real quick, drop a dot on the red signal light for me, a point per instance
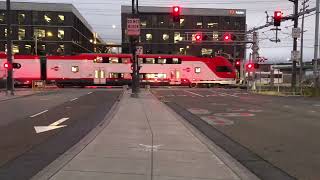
(198, 37)
(176, 10)
(238, 63)
(6, 65)
(277, 18)
(227, 37)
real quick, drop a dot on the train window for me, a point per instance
(116, 75)
(150, 61)
(223, 69)
(140, 60)
(105, 60)
(75, 69)
(176, 61)
(162, 61)
(125, 60)
(197, 70)
(113, 60)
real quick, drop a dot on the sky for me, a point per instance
(104, 17)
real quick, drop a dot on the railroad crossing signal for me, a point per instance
(198, 37)
(14, 65)
(176, 11)
(277, 18)
(228, 37)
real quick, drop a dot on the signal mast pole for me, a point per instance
(9, 52)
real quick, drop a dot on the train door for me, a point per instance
(175, 76)
(99, 76)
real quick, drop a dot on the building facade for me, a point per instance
(46, 28)
(161, 35)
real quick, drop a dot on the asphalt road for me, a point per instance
(275, 137)
(67, 114)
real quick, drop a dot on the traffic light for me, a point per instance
(252, 66)
(6, 65)
(277, 18)
(176, 11)
(237, 64)
(228, 37)
(198, 37)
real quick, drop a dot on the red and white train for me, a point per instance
(115, 69)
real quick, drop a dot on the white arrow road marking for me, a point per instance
(73, 99)
(38, 113)
(89, 92)
(55, 125)
(194, 93)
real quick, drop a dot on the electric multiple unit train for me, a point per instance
(116, 69)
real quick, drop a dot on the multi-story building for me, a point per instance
(160, 34)
(46, 28)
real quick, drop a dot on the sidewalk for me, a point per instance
(17, 94)
(145, 141)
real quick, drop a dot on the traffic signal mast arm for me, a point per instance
(285, 18)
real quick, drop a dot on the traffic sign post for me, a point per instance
(133, 27)
(296, 32)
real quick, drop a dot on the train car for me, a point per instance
(116, 69)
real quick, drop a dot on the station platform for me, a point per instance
(145, 140)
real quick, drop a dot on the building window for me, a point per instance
(199, 24)
(5, 32)
(21, 33)
(47, 18)
(60, 18)
(212, 25)
(143, 24)
(49, 34)
(39, 33)
(61, 34)
(165, 37)
(149, 37)
(60, 49)
(2, 18)
(75, 69)
(182, 22)
(150, 61)
(197, 70)
(205, 51)
(162, 61)
(177, 37)
(215, 36)
(28, 48)
(21, 18)
(15, 49)
(182, 51)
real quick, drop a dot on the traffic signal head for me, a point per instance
(228, 37)
(237, 62)
(277, 18)
(250, 67)
(16, 65)
(198, 37)
(176, 10)
(6, 65)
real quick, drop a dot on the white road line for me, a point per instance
(225, 94)
(39, 113)
(59, 122)
(194, 93)
(73, 99)
(89, 92)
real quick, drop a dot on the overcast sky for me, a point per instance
(104, 14)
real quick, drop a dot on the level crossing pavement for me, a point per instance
(143, 140)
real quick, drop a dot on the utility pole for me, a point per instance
(316, 47)
(295, 45)
(302, 42)
(10, 85)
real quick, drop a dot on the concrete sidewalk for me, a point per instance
(17, 94)
(144, 141)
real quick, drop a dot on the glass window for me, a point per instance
(15, 49)
(150, 61)
(149, 37)
(21, 18)
(197, 70)
(205, 51)
(182, 22)
(21, 33)
(162, 61)
(140, 60)
(40, 33)
(176, 61)
(2, 17)
(125, 60)
(60, 49)
(223, 69)
(165, 37)
(113, 60)
(215, 36)
(143, 24)
(60, 18)
(49, 34)
(116, 75)
(212, 25)
(177, 37)
(61, 34)
(75, 69)
(28, 48)
(182, 51)
(47, 18)
(199, 24)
